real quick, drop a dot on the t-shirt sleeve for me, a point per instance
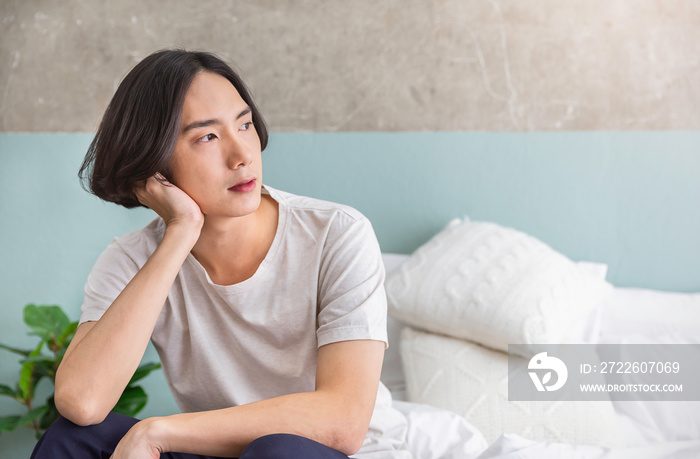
(352, 301)
(112, 271)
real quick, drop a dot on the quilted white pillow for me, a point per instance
(492, 285)
(472, 381)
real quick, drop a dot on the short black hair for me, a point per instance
(139, 129)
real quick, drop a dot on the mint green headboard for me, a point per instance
(631, 200)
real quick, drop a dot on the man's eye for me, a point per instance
(246, 126)
(206, 138)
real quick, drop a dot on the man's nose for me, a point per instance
(238, 154)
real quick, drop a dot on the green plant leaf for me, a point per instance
(40, 372)
(65, 338)
(142, 371)
(132, 401)
(48, 322)
(50, 416)
(36, 413)
(9, 423)
(45, 368)
(38, 358)
(23, 352)
(7, 390)
(60, 354)
(27, 375)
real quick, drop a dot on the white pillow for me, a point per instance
(472, 381)
(586, 330)
(492, 285)
(641, 316)
(644, 316)
(392, 369)
(583, 331)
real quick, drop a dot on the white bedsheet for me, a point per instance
(514, 447)
(439, 434)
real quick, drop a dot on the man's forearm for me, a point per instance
(319, 416)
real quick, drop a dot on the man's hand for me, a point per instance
(170, 202)
(139, 442)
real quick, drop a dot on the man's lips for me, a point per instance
(244, 186)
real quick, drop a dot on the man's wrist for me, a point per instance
(156, 430)
(184, 235)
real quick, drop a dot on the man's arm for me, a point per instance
(336, 414)
(103, 355)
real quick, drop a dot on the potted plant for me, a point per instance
(55, 332)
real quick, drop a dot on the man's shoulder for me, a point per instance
(141, 242)
(315, 206)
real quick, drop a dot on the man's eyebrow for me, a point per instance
(205, 123)
(244, 113)
(199, 124)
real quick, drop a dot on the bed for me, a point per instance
(446, 365)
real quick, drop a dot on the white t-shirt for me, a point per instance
(322, 281)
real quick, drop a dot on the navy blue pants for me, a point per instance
(65, 440)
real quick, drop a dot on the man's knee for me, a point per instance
(288, 446)
(65, 439)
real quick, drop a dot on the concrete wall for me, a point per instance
(363, 65)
